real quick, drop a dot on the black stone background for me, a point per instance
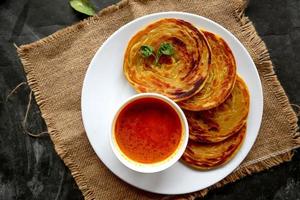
(31, 169)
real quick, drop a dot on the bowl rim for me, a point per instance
(152, 167)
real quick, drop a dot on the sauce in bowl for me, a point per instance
(148, 130)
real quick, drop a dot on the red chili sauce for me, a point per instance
(148, 130)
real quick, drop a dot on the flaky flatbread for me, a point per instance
(179, 76)
(206, 156)
(221, 77)
(219, 123)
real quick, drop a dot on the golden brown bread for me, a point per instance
(179, 76)
(221, 77)
(206, 156)
(219, 123)
(201, 76)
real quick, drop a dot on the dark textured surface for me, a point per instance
(30, 168)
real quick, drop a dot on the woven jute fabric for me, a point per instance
(56, 65)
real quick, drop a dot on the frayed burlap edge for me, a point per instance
(240, 173)
(69, 162)
(263, 63)
(265, 66)
(22, 51)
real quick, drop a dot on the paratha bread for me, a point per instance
(221, 77)
(206, 156)
(219, 123)
(179, 76)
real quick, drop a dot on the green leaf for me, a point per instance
(146, 51)
(83, 6)
(166, 49)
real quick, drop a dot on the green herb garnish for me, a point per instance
(147, 51)
(83, 6)
(164, 49)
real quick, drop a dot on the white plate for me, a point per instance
(105, 88)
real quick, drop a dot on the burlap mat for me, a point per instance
(56, 66)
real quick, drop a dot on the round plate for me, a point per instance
(105, 88)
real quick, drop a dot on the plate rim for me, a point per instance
(153, 15)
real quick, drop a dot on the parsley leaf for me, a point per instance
(164, 49)
(146, 51)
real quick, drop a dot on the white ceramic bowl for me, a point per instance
(153, 167)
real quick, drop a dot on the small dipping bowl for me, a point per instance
(173, 156)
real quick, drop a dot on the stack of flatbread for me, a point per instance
(200, 75)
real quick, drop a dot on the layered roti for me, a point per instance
(218, 124)
(221, 78)
(206, 156)
(179, 76)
